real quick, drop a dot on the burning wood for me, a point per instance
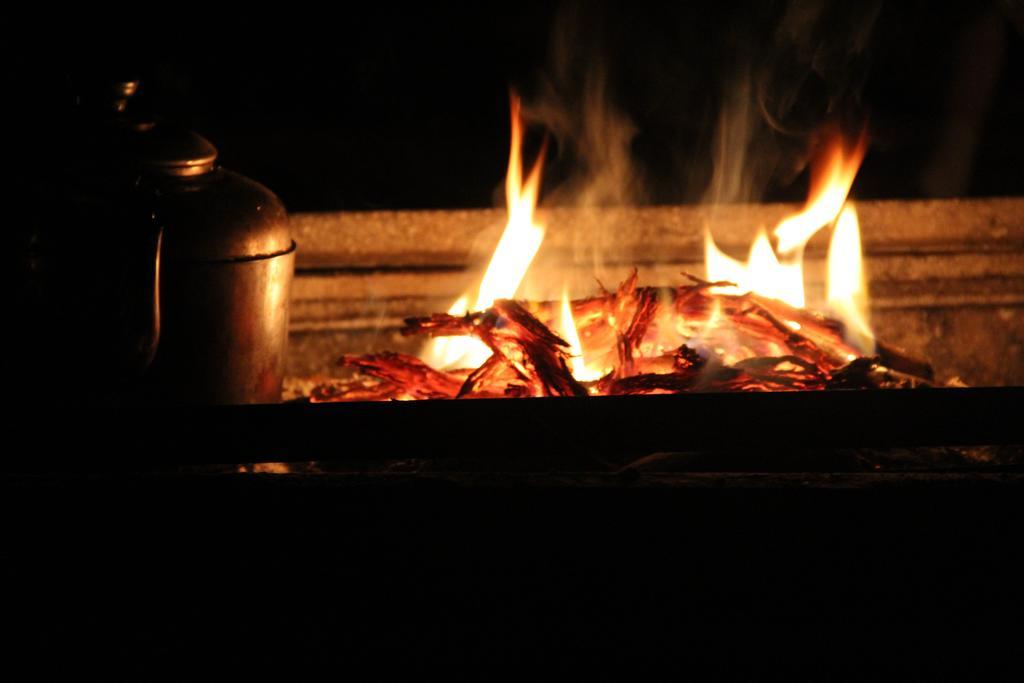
(656, 341)
(744, 328)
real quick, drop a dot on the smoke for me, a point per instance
(773, 74)
(783, 88)
(690, 103)
(576, 103)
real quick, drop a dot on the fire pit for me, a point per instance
(741, 328)
(947, 279)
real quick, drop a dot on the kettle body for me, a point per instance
(226, 267)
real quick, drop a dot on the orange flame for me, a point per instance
(832, 175)
(512, 256)
(577, 363)
(522, 237)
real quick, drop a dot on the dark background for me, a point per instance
(392, 107)
(388, 106)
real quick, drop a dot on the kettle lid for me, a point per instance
(110, 133)
(168, 150)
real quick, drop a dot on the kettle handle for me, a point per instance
(140, 304)
(155, 307)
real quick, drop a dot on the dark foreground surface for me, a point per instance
(164, 573)
(89, 434)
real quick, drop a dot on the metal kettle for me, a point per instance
(147, 271)
(225, 271)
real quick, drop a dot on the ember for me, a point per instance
(630, 327)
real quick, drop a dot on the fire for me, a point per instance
(832, 176)
(577, 363)
(511, 259)
(774, 273)
(778, 273)
(847, 290)
(762, 273)
(652, 340)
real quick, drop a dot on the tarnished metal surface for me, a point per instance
(222, 216)
(224, 330)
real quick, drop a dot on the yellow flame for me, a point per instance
(762, 273)
(832, 177)
(577, 363)
(522, 237)
(511, 259)
(847, 286)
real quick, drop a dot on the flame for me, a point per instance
(832, 176)
(765, 273)
(762, 273)
(512, 256)
(847, 287)
(577, 363)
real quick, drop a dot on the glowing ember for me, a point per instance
(528, 359)
(512, 257)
